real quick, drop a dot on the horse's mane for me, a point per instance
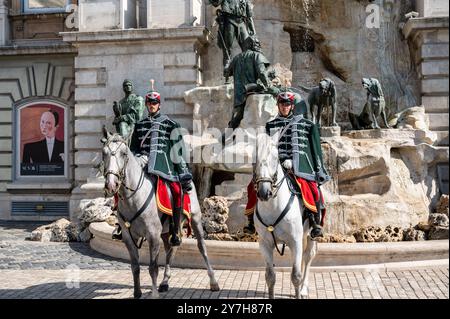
(265, 146)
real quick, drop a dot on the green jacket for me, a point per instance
(248, 67)
(301, 144)
(157, 137)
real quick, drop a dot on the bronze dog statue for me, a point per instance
(321, 97)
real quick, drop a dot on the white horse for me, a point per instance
(139, 216)
(279, 220)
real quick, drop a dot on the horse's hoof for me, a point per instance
(137, 295)
(163, 288)
(215, 287)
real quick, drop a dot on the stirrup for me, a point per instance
(117, 234)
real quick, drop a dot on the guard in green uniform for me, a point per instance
(300, 153)
(158, 145)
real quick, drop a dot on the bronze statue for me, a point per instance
(128, 111)
(374, 107)
(323, 97)
(249, 70)
(235, 19)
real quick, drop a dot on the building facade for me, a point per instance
(66, 60)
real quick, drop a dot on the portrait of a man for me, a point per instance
(49, 149)
(42, 140)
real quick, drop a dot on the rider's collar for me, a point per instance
(155, 115)
(291, 115)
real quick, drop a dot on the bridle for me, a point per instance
(274, 184)
(121, 174)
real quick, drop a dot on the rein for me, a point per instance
(271, 228)
(121, 176)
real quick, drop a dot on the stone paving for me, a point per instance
(73, 270)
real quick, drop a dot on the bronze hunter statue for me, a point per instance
(250, 73)
(128, 111)
(374, 107)
(235, 20)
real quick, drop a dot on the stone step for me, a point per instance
(438, 121)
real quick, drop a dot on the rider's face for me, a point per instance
(153, 107)
(285, 109)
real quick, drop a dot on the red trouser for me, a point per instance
(175, 189)
(309, 189)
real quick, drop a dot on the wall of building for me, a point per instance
(30, 78)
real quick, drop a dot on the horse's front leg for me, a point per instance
(153, 241)
(296, 276)
(170, 254)
(267, 251)
(134, 257)
(198, 231)
(308, 256)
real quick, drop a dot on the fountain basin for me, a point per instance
(246, 256)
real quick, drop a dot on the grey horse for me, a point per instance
(274, 200)
(139, 216)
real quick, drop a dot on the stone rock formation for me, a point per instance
(380, 177)
(335, 39)
(439, 221)
(336, 238)
(56, 232)
(373, 234)
(411, 118)
(214, 217)
(413, 234)
(442, 206)
(96, 210)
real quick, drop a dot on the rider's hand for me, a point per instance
(287, 164)
(142, 160)
(187, 187)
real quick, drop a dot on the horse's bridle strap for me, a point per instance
(139, 212)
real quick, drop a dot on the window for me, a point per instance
(44, 6)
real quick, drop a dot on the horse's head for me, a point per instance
(115, 160)
(266, 166)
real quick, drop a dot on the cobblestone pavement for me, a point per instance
(73, 270)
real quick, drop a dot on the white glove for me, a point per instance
(287, 164)
(142, 160)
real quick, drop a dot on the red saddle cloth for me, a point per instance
(164, 202)
(309, 190)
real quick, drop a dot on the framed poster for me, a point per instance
(41, 140)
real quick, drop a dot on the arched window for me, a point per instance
(41, 140)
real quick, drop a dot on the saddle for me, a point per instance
(164, 203)
(306, 192)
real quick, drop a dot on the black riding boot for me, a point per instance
(117, 233)
(250, 228)
(316, 230)
(175, 238)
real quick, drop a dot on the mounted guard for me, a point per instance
(300, 155)
(158, 145)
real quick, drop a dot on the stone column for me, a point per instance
(4, 23)
(428, 36)
(429, 40)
